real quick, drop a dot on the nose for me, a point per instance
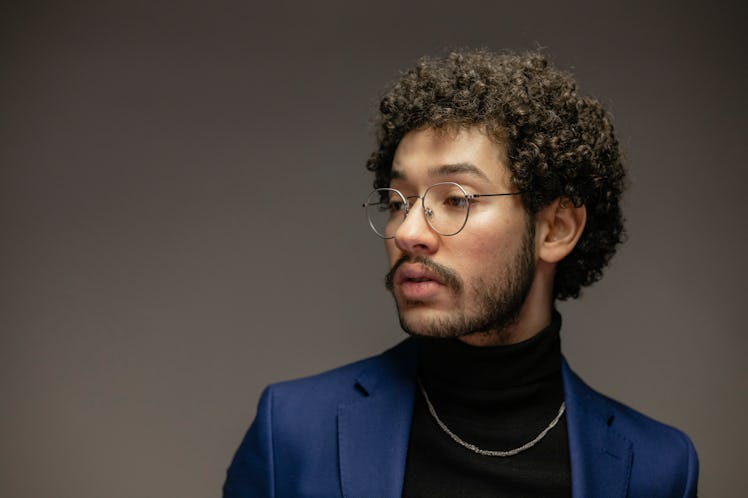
(415, 235)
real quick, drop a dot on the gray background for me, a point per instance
(180, 186)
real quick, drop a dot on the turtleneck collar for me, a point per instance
(495, 398)
(452, 363)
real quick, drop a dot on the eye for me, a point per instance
(456, 201)
(393, 206)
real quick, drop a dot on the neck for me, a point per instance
(466, 367)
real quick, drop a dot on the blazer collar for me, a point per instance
(601, 457)
(373, 431)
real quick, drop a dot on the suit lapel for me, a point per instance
(373, 431)
(600, 456)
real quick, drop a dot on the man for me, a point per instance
(497, 193)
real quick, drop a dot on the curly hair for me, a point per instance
(557, 143)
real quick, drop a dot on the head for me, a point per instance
(521, 123)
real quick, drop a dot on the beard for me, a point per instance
(496, 300)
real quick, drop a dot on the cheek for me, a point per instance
(498, 230)
(485, 251)
(476, 256)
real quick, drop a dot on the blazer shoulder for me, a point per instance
(348, 382)
(293, 443)
(656, 445)
(636, 424)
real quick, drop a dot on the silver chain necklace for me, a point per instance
(498, 453)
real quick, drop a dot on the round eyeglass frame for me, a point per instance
(426, 213)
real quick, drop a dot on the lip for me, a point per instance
(418, 283)
(410, 272)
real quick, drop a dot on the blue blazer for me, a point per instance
(344, 433)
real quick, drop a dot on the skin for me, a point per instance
(485, 251)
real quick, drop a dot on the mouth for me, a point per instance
(417, 283)
(410, 273)
(420, 279)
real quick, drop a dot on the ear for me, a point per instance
(558, 227)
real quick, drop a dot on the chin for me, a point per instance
(428, 323)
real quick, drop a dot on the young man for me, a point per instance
(497, 193)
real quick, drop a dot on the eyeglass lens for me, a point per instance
(445, 205)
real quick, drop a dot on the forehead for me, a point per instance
(429, 154)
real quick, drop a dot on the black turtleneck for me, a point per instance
(497, 398)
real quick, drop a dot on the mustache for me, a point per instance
(447, 275)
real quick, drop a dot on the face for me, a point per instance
(478, 279)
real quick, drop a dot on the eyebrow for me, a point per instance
(446, 170)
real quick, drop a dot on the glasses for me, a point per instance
(446, 206)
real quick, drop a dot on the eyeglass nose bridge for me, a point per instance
(412, 202)
(427, 211)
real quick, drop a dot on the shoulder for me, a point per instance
(663, 455)
(625, 419)
(345, 384)
(295, 429)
